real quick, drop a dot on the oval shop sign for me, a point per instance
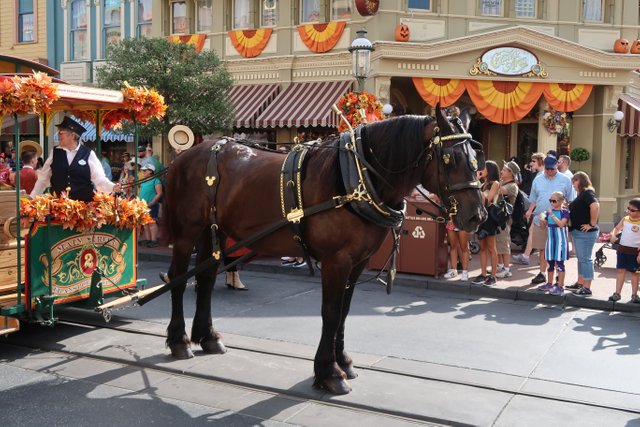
(510, 61)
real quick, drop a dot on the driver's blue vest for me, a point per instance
(76, 176)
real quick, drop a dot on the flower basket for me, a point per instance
(351, 103)
(85, 216)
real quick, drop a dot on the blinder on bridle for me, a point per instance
(472, 155)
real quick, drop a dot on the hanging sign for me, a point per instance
(508, 61)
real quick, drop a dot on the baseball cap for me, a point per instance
(550, 162)
(141, 148)
(149, 166)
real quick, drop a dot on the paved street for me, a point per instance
(460, 358)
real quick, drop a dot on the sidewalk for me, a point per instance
(517, 287)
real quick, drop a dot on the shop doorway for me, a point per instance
(527, 142)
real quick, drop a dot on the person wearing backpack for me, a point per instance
(509, 190)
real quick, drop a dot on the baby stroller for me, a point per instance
(601, 258)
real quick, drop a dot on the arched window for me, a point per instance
(26, 30)
(269, 16)
(79, 43)
(204, 16)
(144, 18)
(111, 32)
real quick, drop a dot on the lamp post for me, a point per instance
(361, 49)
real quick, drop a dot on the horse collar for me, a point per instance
(360, 192)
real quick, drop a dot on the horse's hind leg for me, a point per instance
(177, 339)
(329, 376)
(202, 331)
(342, 357)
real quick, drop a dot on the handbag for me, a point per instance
(500, 211)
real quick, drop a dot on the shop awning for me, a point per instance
(105, 135)
(630, 106)
(249, 101)
(304, 104)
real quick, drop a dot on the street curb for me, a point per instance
(515, 293)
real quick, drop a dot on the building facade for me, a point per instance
(541, 74)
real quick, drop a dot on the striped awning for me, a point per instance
(304, 104)
(630, 106)
(249, 101)
(105, 135)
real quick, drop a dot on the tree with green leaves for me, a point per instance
(194, 84)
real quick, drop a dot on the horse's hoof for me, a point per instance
(350, 372)
(180, 351)
(213, 346)
(335, 386)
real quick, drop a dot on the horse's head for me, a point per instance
(457, 158)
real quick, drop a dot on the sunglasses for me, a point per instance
(553, 201)
(632, 210)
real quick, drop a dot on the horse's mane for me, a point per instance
(396, 143)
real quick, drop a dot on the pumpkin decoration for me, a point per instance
(402, 32)
(635, 47)
(621, 46)
(367, 7)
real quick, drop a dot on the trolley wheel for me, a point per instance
(474, 247)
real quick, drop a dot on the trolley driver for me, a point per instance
(73, 167)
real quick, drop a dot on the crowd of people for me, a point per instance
(562, 217)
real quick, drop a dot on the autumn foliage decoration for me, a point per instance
(350, 105)
(321, 38)
(250, 43)
(34, 94)
(140, 103)
(105, 209)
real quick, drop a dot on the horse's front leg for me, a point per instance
(202, 331)
(328, 375)
(342, 357)
(177, 339)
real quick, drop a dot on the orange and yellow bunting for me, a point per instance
(567, 96)
(197, 40)
(504, 102)
(320, 38)
(443, 91)
(250, 43)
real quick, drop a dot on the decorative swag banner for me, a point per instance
(445, 91)
(197, 40)
(250, 43)
(321, 38)
(503, 102)
(566, 97)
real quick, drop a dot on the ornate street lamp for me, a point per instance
(361, 49)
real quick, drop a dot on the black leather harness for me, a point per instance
(359, 193)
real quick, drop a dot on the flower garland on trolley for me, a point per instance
(105, 209)
(351, 103)
(33, 94)
(140, 103)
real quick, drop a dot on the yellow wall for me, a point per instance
(35, 51)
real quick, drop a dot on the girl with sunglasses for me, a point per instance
(556, 250)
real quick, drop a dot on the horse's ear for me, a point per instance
(443, 122)
(465, 118)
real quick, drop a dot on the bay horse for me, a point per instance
(404, 151)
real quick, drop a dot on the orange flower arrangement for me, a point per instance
(33, 94)
(105, 209)
(351, 103)
(143, 103)
(139, 102)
